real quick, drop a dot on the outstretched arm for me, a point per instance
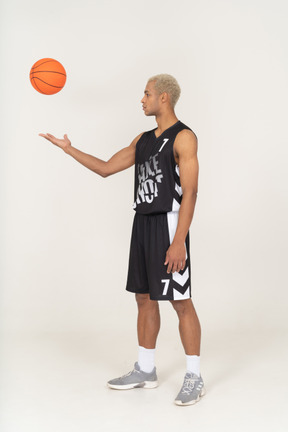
(120, 161)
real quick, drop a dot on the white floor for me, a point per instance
(57, 382)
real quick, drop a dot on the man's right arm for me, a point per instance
(120, 161)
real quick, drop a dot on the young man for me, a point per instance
(166, 183)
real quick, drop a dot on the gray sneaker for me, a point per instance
(135, 378)
(191, 391)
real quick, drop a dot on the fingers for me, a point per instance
(169, 267)
(47, 136)
(166, 259)
(52, 139)
(67, 139)
(177, 266)
(175, 261)
(170, 263)
(174, 266)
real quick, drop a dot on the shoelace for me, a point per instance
(188, 385)
(129, 373)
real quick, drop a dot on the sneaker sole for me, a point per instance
(144, 384)
(180, 403)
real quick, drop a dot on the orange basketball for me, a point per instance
(47, 76)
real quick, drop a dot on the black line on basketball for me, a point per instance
(47, 61)
(48, 83)
(38, 88)
(49, 72)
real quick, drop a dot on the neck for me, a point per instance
(164, 121)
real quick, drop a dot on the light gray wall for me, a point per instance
(65, 232)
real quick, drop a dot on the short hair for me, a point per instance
(167, 83)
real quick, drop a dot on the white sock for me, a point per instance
(146, 359)
(193, 364)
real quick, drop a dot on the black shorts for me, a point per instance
(150, 240)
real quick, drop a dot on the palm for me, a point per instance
(62, 143)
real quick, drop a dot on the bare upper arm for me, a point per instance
(186, 146)
(123, 159)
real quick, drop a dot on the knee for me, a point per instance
(143, 301)
(181, 306)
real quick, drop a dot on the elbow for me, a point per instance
(190, 195)
(104, 174)
(194, 196)
(103, 171)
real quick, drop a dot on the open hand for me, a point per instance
(62, 143)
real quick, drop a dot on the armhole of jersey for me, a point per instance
(173, 157)
(186, 127)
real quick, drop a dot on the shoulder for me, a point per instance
(186, 140)
(187, 134)
(136, 139)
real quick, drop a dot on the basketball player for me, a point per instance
(166, 183)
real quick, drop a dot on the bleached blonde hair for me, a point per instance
(167, 83)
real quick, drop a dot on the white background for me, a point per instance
(65, 232)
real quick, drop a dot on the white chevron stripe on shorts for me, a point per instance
(178, 296)
(172, 219)
(181, 279)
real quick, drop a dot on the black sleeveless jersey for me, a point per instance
(157, 187)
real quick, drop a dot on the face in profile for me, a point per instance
(151, 100)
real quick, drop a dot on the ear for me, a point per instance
(164, 97)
